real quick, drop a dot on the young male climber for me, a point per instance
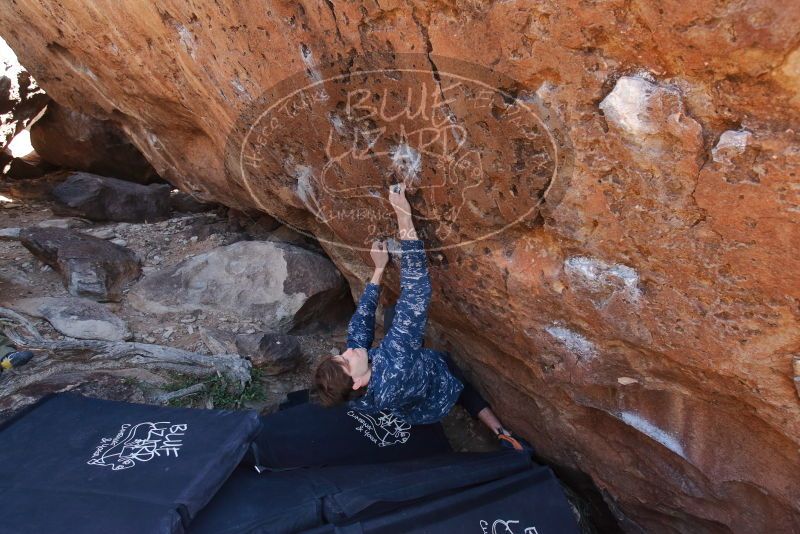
(418, 384)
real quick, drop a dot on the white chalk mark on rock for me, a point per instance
(407, 161)
(302, 174)
(338, 124)
(627, 105)
(240, 89)
(543, 92)
(311, 66)
(731, 143)
(305, 192)
(573, 341)
(598, 275)
(187, 39)
(653, 432)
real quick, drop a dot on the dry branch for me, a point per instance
(90, 355)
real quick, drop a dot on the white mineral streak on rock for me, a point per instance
(653, 432)
(573, 341)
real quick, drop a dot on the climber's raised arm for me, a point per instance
(411, 311)
(361, 329)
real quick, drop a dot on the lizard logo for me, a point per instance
(139, 443)
(384, 428)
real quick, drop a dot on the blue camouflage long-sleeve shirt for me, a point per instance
(412, 382)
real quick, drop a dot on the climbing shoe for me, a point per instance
(510, 441)
(15, 359)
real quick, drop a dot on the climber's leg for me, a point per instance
(488, 418)
(477, 407)
(471, 400)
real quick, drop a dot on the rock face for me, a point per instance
(276, 283)
(91, 267)
(608, 191)
(73, 140)
(100, 198)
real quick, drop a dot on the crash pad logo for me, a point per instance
(139, 443)
(504, 526)
(383, 429)
(479, 152)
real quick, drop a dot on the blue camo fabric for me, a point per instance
(412, 382)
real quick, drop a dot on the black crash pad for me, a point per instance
(300, 499)
(528, 502)
(309, 435)
(73, 464)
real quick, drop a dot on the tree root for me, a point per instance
(122, 358)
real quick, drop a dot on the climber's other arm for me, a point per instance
(361, 330)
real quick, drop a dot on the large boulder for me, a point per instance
(91, 267)
(27, 167)
(75, 317)
(273, 354)
(186, 203)
(279, 284)
(607, 189)
(73, 140)
(100, 198)
(35, 188)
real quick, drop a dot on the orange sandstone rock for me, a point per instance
(607, 190)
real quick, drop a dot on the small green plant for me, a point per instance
(220, 391)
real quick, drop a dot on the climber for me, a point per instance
(420, 385)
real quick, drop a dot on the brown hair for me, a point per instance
(332, 385)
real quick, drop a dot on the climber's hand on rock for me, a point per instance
(380, 254)
(405, 224)
(397, 197)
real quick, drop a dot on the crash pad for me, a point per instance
(294, 500)
(308, 435)
(75, 464)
